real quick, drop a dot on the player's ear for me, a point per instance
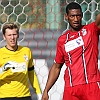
(4, 37)
(66, 16)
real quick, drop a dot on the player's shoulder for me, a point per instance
(90, 25)
(2, 49)
(24, 48)
(63, 36)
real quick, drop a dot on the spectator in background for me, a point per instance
(78, 49)
(16, 67)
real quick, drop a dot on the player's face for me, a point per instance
(74, 18)
(11, 37)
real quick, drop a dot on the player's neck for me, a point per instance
(12, 48)
(77, 29)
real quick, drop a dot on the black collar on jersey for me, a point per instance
(10, 49)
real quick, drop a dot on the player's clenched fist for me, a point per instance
(45, 96)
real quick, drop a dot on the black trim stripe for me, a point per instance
(31, 68)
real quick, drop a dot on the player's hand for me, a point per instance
(45, 96)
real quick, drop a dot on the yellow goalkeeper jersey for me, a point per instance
(14, 81)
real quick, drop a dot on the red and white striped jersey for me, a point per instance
(79, 52)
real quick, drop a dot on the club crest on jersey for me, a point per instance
(84, 32)
(26, 57)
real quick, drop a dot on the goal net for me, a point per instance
(41, 22)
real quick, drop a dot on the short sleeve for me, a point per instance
(59, 58)
(31, 63)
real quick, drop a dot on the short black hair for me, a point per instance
(73, 5)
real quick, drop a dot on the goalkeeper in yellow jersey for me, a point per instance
(16, 67)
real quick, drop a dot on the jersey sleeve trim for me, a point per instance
(31, 68)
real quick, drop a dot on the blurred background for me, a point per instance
(41, 22)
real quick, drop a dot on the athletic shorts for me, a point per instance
(14, 98)
(89, 91)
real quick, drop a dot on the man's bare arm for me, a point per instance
(97, 21)
(52, 77)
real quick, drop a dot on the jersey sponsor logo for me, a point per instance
(71, 45)
(19, 67)
(15, 66)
